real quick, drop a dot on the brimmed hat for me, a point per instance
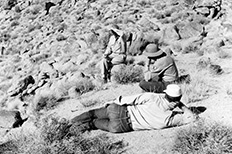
(115, 28)
(152, 50)
(173, 90)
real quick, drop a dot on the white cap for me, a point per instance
(173, 90)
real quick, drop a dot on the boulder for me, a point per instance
(170, 34)
(147, 25)
(10, 119)
(138, 43)
(20, 86)
(190, 29)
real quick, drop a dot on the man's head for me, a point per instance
(152, 51)
(115, 30)
(173, 92)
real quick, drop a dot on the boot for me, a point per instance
(109, 77)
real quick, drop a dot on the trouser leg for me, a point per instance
(152, 86)
(85, 121)
(117, 120)
(90, 115)
(105, 68)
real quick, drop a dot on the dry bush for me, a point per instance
(199, 88)
(54, 136)
(128, 74)
(208, 138)
(189, 2)
(90, 103)
(223, 54)
(191, 48)
(45, 102)
(84, 85)
(35, 9)
(143, 3)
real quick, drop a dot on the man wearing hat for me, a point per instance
(160, 70)
(115, 53)
(137, 112)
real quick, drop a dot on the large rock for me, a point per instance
(10, 119)
(170, 34)
(20, 86)
(138, 43)
(190, 29)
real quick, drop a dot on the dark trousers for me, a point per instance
(153, 86)
(113, 118)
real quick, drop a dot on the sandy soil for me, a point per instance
(218, 108)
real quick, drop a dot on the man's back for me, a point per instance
(166, 68)
(151, 111)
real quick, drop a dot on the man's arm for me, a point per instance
(188, 115)
(132, 100)
(123, 44)
(182, 117)
(108, 50)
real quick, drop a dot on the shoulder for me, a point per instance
(152, 95)
(112, 39)
(166, 60)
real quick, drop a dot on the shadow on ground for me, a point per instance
(197, 109)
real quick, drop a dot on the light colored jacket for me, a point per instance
(164, 69)
(153, 111)
(116, 46)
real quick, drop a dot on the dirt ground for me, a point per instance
(218, 107)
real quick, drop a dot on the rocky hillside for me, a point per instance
(48, 47)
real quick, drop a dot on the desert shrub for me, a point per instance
(143, 2)
(36, 9)
(46, 102)
(200, 52)
(128, 74)
(158, 15)
(30, 28)
(223, 54)
(203, 62)
(198, 89)
(191, 48)
(189, 2)
(90, 103)
(14, 23)
(55, 136)
(84, 85)
(130, 60)
(61, 37)
(208, 138)
(215, 69)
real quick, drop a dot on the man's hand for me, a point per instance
(189, 116)
(106, 104)
(147, 76)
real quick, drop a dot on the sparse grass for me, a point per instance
(128, 74)
(47, 102)
(90, 103)
(198, 89)
(204, 138)
(223, 54)
(84, 85)
(54, 136)
(144, 3)
(191, 48)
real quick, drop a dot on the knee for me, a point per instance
(113, 129)
(142, 83)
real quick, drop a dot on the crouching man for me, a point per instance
(139, 112)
